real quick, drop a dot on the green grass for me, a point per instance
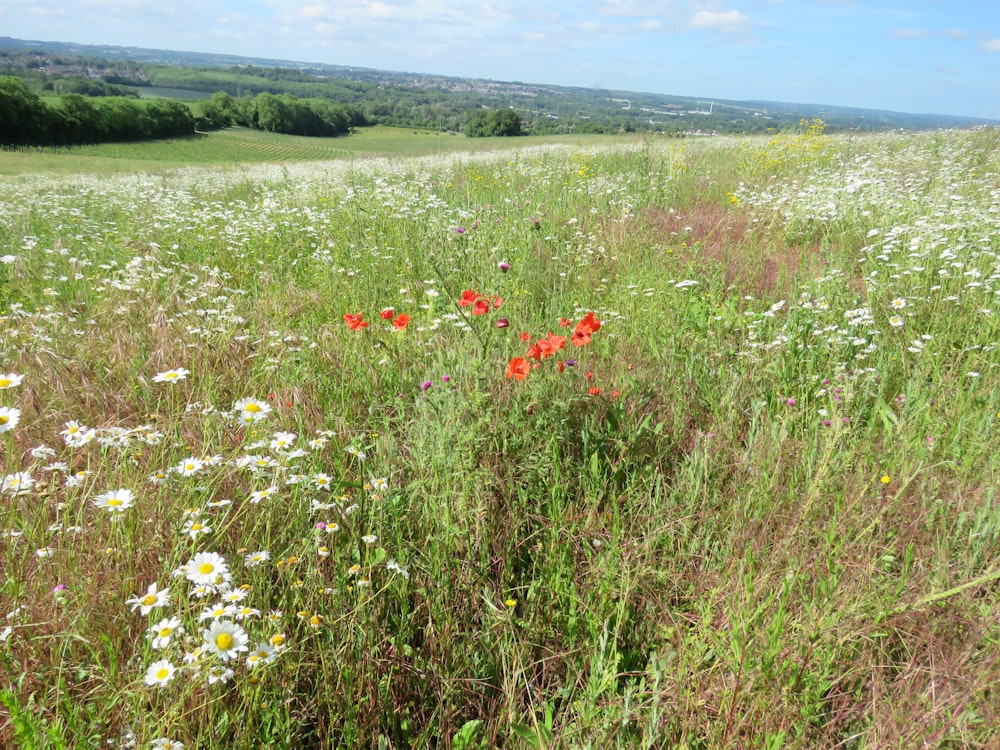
(244, 146)
(756, 509)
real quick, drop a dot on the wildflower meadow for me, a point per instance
(643, 444)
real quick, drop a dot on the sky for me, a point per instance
(917, 56)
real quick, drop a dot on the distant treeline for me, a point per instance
(27, 120)
(279, 114)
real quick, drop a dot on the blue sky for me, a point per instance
(921, 56)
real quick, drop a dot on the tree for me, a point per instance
(80, 122)
(507, 122)
(485, 124)
(24, 118)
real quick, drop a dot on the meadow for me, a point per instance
(614, 444)
(234, 147)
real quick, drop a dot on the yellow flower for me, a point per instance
(885, 479)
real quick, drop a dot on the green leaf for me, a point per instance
(467, 735)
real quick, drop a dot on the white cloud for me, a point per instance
(990, 45)
(908, 33)
(313, 11)
(633, 8)
(728, 22)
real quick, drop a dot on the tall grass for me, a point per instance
(755, 507)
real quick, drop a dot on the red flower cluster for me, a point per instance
(399, 322)
(480, 304)
(354, 322)
(519, 367)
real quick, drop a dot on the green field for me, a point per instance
(245, 146)
(587, 444)
(163, 92)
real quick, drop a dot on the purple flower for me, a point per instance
(504, 266)
(446, 378)
(425, 385)
(459, 230)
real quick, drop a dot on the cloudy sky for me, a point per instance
(920, 56)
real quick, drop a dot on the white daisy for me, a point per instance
(219, 674)
(217, 612)
(152, 598)
(171, 376)
(208, 568)
(283, 441)
(10, 380)
(18, 483)
(195, 527)
(160, 673)
(262, 653)
(164, 630)
(189, 466)
(225, 639)
(115, 501)
(253, 559)
(251, 410)
(8, 418)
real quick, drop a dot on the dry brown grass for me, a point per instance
(747, 257)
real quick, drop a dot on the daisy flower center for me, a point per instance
(114, 502)
(149, 600)
(5, 382)
(253, 408)
(224, 641)
(162, 673)
(206, 568)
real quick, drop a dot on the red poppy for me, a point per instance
(535, 352)
(523, 335)
(590, 324)
(401, 321)
(595, 391)
(550, 345)
(481, 306)
(354, 322)
(387, 313)
(565, 322)
(468, 298)
(497, 301)
(581, 334)
(518, 368)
